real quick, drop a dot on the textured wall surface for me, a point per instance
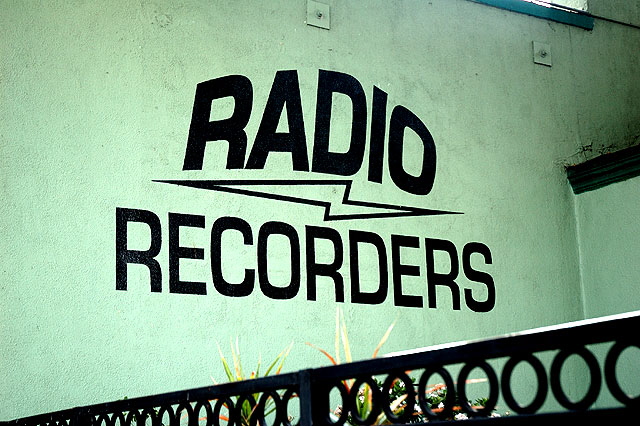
(610, 122)
(609, 246)
(96, 102)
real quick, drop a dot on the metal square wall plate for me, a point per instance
(318, 14)
(542, 53)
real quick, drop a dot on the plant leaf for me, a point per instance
(337, 338)
(382, 418)
(345, 342)
(384, 339)
(257, 372)
(367, 402)
(396, 403)
(270, 367)
(237, 364)
(225, 365)
(333, 361)
(284, 354)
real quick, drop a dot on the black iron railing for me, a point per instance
(310, 397)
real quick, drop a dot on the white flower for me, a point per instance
(441, 405)
(461, 416)
(495, 415)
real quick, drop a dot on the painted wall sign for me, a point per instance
(285, 98)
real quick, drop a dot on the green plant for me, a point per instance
(434, 395)
(342, 338)
(364, 402)
(236, 373)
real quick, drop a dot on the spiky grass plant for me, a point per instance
(397, 394)
(236, 373)
(364, 402)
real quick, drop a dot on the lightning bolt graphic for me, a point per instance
(247, 187)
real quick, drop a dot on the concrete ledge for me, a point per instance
(605, 170)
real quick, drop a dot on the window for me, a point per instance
(574, 4)
(571, 4)
(570, 12)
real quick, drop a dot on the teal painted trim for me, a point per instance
(560, 14)
(605, 170)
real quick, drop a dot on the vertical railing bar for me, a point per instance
(75, 417)
(306, 405)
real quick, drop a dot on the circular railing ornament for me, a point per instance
(288, 396)
(541, 378)
(594, 385)
(346, 405)
(186, 407)
(450, 397)
(611, 377)
(242, 399)
(224, 402)
(387, 386)
(355, 395)
(102, 419)
(259, 414)
(168, 410)
(197, 409)
(493, 388)
(134, 417)
(148, 413)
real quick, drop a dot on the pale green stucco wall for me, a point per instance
(609, 247)
(96, 102)
(608, 231)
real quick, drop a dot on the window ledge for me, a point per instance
(605, 170)
(560, 14)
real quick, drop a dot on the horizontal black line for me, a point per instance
(273, 182)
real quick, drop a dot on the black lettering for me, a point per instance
(402, 118)
(125, 256)
(230, 129)
(285, 91)
(315, 269)
(439, 279)
(224, 287)
(399, 269)
(176, 252)
(268, 289)
(376, 139)
(479, 277)
(346, 163)
(358, 296)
